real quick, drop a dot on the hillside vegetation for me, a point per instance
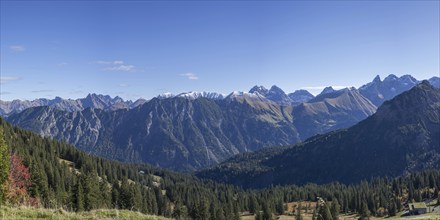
(25, 213)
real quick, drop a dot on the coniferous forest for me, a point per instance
(51, 174)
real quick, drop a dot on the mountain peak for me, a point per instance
(300, 96)
(302, 92)
(391, 77)
(277, 95)
(408, 79)
(327, 90)
(165, 95)
(260, 89)
(377, 79)
(275, 87)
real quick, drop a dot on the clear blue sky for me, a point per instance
(140, 49)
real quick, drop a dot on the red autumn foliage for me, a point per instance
(18, 181)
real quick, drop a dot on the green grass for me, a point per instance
(36, 213)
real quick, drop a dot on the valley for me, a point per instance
(192, 131)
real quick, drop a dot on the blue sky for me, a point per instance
(140, 49)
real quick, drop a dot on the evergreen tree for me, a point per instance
(179, 211)
(314, 215)
(78, 195)
(4, 165)
(258, 216)
(335, 209)
(279, 207)
(267, 214)
(324, 212)
(392, 210)
(253, 205)
(213, 209)
(365, 213)
(298, 215)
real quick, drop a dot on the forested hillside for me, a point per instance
(63, 177)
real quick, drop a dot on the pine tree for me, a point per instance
(298, 215)
(267, 214)
(324, 212)
(392, 210)
(4, 166)
(253, 205)
(213, 210)
(335, 209)
(258, 216)
(179, 211)
(314, 215)
(78, 194)
(365, 213)
(279, 207)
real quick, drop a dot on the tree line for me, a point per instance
(55, 174)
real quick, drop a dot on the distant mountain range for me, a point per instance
(402, 136)
(191, 131)
(104, 102)
(376, 91)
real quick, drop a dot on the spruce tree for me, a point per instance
(4, 165)
(324, 212)
(314, 215)
(335, 209)
(298, 215)
(258, 216)
(365, 213)
(267, 214)
(78, 194)
(392, 209)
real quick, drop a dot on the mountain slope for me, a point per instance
(175, 133)
(60, 174)
(403, 136)
(331, 111)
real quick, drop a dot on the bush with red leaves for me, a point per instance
(18, 181)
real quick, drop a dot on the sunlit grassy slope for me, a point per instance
(35, 213)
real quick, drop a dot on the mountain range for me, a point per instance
(104, 102)
(401, 137)
(193, 130)
(175, 133)
(376, 91)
